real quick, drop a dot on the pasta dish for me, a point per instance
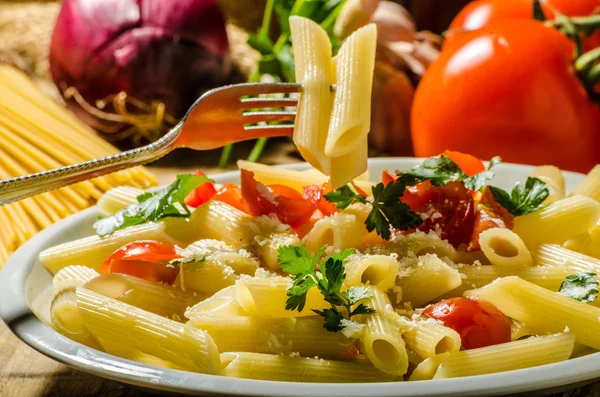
(333, 275)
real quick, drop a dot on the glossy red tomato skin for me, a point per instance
(201, 194)
(231, 194)
(147, 259)
(294, 211)
(470, 165)
(478, 323)
(489, 214)
(508, 90)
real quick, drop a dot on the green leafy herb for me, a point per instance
(152, 207)
(196, 258)
(522, 200)
(581, 286)
(296, 260)
(387, 210)
(442, 170)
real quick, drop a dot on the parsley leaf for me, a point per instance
(387, 209)
(152, 207)
(197, 258)
(494, 161)
(522, 200)
(581, 286)
(302, 268)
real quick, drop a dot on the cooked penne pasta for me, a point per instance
(543, 310)
(297, 369)
(590, 186)
(118, 198)
(558, 222)
(553, 178)
(429, 338)
(271, 234)
(419, 243)
(427, 279)
(305, 336)
(73, 276)
(379, 271)
(241, 260)
(220, 221)
(223, 303)
(555, 255)
(207, 276)
(587, 243)
(509, 356)
(149, 333)
(519, 330)
(502, 247)
(427, 369)
(93, 251)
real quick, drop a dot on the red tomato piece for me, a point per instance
(202, 194)
(147, 259)
(470, 165)
(293, 211)
(478, 323)
(387, 177)
(325, 207)
(489, 214)
(231, 194)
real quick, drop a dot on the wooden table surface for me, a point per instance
(26, 373)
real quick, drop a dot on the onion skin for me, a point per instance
(153, 50)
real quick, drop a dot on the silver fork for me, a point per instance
(219, 117)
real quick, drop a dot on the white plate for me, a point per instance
(23, 279)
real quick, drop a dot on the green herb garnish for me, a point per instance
(522, 200)
(387, 210)
(581, 286)
(196, 258)
(152, 207)
(302, 268)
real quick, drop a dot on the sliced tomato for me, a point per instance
(471, 165)
(478, 323)
(307, 227)
(447, 210)
(202, 194)
(284, 191)
(325, 207)
(387, 177)
(147, 259)
(293, 211)
(232, 194)
(489, 214)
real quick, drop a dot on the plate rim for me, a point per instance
(20, 320)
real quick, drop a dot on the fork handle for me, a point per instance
(25, 186)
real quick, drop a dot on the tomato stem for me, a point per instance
(538, 12)
(588, 68)
(587, 60)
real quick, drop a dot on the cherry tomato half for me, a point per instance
(489, 214)
(293, 211)
(470, 165)
(202, 194)
(147, 259)
(478, 323)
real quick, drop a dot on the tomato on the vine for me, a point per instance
(147, 259)
(508, 90)
(478, 323)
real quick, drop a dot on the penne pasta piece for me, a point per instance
(351, 116)
(427, 279)
(419, 243)
(270, 235)
(239, 259)
(502, 247)
(348, 166)
(587, 243)
(427, 369)
(303, 336)
(541, 309)
(342, 230)
(158, 298)
(531, 352)
(553, 178)
(297, 369)
(118, 198)
(313, 58)
(206, 277)
(149, 333)
(558, 222)
(555, 255)
(430, 338)
(73, 276)
(221, 304)
(519, 330)
(266, 297)
(590, 186)
(93, 251)
(381, 340)
(379, 271)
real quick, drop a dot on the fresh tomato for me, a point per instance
(325, 207)
(387, 177)
(293, 210)
(478, 323)
(147, 259)
(231, 194)
(470, 165)
(481, 13)
(489, 215)
(447, 210)
(202, 194)
(508, 90)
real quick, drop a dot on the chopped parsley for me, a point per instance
(296, 260)
(581, 286)
(152, 207)
(387, 210)
(196, 258)
(522, 200)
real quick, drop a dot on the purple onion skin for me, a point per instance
(166, 50)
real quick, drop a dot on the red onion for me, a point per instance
(163, 54)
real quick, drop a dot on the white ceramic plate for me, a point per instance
(23, 279)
